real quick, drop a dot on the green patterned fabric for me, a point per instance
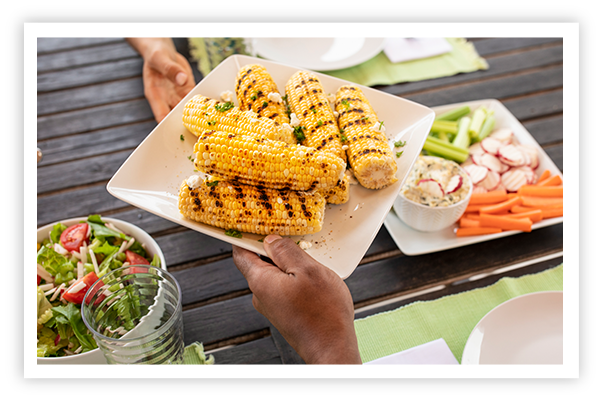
(194, 354)
(209, 52)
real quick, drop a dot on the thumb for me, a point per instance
(169, 68)
(286, 254)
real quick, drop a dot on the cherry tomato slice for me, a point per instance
(77, 297)
(39, 279)
(135, 259)
(72, 237)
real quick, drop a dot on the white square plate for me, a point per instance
(150, 178)
(412, 242)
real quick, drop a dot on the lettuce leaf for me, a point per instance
(57, 230)
(53, 262)
(101, 231)
(42, 303)
(70, 315)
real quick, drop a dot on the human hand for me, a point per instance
(309, 304)
(167, 74)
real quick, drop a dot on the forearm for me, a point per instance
(145, 46)
(335, 349)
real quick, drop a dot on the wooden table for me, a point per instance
(92, 114)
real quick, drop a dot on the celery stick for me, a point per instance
(443, 136)
(443, 151)
(455, 114)
(487, 127)
(477, 121)
(462, 138)
(445, 126)
(447, 145)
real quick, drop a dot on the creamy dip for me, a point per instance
(442, 171)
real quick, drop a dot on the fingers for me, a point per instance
(287, 254)
(159, 107)
(165, 65)
(251, 266)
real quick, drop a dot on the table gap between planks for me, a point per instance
(92, 114)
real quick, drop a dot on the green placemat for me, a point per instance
(451, 318)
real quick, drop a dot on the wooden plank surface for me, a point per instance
(92, 114)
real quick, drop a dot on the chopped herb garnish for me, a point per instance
(265, 104)
(213, 183)
(380, 125)
(261, 240)
(343, 137)
(191, 158)
(399, 143)
(346, 103)
(299, 133)
(319, 123)
(224, 107)
(233, 233)
(399, 154)
(314, 111)
(253, 97)
(181, 138)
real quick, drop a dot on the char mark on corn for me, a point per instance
(262, 211)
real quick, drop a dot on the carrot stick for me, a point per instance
(495, 196)
(545, 175)
(512, 195)
(505, 223)
(541, 191)
(500, 207)
(469, 223)
(521, 209)
(477, 217)
(551, 181)
(470, 215)
(534, 216)
(552, 213)
(462, 232)
(474, 208)
(542, 202)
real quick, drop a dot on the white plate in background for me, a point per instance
(319, 54)
(527, 329)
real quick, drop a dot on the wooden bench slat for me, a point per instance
(46, 45)
(260, 351)
(85, 56)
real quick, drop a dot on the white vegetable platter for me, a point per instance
(150, 178)
(412, 242)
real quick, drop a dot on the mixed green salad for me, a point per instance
(69, 261)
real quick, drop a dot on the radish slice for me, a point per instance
(514, 179)
(490, 162)
(491, 181)
(477, 173)
(475, 148)
(479, 189)
(529, 174)
(454, 184)
(491, 145)
(504, 135)
(432, 187)
(532, 153)
(512, 155)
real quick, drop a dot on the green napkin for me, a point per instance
(194, 354)
(381, 71)
(451, 318)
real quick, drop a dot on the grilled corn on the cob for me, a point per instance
(369, 154)
(266, 163)
(256, 90)
(309, 103)
(243, 208)
(202, 114)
